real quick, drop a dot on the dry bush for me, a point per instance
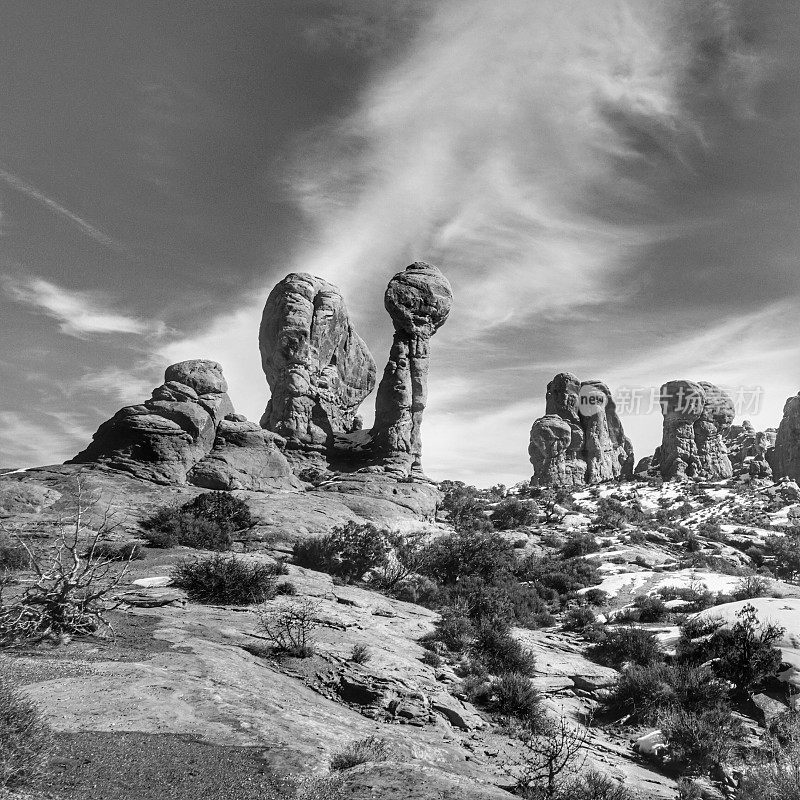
(74, 585)
(371, 749)
(25, 739)
(289, 626)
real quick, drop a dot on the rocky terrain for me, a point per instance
(450, 636)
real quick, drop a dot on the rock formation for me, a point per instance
(188, 431)
(785, 460)
(418, 300)
(696, 418)
(750, 451)
(318, 368)
(580, 439)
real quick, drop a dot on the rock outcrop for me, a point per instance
(244, 456)
(580, 439)
(696, 419)
(188, 432)
(318, 368)
(785, 459)
(418, 300)
(750, 451)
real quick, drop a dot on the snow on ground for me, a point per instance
(685, 578)
(614, 584)
(788, 515)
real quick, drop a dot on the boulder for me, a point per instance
(785, 458)
(204, 377)
(317, 366)
(244, 456)
(419, 301)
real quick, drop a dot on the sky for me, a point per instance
(612, 188)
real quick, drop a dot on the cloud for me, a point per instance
(609, 187)
(36, 439)
(90, 230)
(79, 313)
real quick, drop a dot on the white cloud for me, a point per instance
(78, 313)
(35, 440)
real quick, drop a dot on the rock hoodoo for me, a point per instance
(785, 459)
(580, 439)
(318, 368)
(750, 451)
(418, 300)
(696, 418)
(188, 432)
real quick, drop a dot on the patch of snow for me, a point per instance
(684, 578)
(614, 584)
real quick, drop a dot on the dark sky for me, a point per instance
(612, 188)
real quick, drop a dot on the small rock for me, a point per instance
(154, 582)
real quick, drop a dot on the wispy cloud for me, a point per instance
(15, 182)
(78, 313)
(37, 439)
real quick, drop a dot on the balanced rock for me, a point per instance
(696, 419)
(318, 368)
(419, 300)
(596, 449)
(785, 458)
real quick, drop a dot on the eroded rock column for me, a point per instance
(419, 300)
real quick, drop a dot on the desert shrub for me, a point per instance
(371, 749)
(347, 552)
(25, 739)
(693, 544)
(227, 580)
(499, 652)
(115, 551)
(206, 522)
(595, 597)
(751, 586)
(360, 654)
(776, 776)
(550, 756)
(514, 694)
(651, 608)
(614, 514)
(627, 644)
(431, 659)
(645, 691)
(290, 626)
(579, 544)
(782, 556)
(746, 655)
(697, 743)
(13, 556)
(513, 513)
(711, 530)
(455, 630)
(231, 513)
(543, 619)
(286, 588)
(464, 507)
(474, 553)
(417, 589)
(577, 619)
(171, 527)
(593, 786)
(562, 576)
